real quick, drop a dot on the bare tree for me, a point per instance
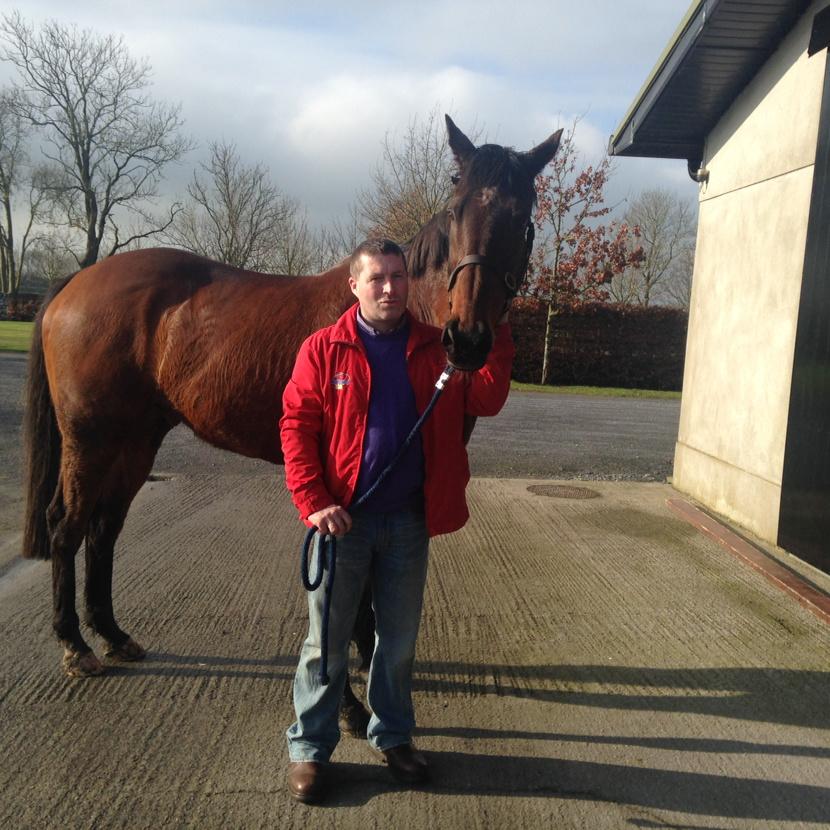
(12, 155)
(677, 290)
(624, 288)
(105, 137)
(49, 258)
(16, 176)
(236, 214)
(296, 249)
(336, 241)
(667, 225)
(411, 183)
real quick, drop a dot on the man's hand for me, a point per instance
(332, 519)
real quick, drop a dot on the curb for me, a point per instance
(807, 595)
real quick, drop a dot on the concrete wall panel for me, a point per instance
(746, 289)
(742, 323)
(772, 126)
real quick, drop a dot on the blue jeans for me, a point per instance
(390, 550)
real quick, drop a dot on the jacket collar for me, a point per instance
(420, 334)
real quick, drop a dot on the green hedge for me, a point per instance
(603, 345)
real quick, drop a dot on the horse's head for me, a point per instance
(490, 238)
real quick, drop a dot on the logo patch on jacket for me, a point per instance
(340, 381)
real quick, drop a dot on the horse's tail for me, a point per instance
(41, 442)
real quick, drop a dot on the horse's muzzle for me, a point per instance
(467, 350)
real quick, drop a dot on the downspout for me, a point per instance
(696, 172)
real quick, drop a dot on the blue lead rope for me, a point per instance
(327, 545)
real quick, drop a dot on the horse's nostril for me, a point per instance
(450, 334)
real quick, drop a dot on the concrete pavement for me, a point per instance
(584, 663)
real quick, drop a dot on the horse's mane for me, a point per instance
(430, 247)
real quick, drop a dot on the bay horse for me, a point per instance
(127, 348)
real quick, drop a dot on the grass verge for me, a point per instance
(15, 336)
(605, 391)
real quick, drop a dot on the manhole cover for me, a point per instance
(562, 491)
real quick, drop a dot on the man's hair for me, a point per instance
(374, 247)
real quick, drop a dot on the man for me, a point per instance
(355, 393)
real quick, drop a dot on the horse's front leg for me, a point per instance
(354, 718)
(363, 635)
(469, 426)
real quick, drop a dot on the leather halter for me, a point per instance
(470, 259)
(511, 284)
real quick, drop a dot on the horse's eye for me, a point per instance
(455, 178)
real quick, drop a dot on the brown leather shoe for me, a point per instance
(306, 781)
(406, 764)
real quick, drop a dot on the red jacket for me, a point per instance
(324, 417)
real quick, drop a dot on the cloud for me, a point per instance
(340, 123)
(354, 111)
(312, 89)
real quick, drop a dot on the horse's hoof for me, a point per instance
(128, 652)
(82, 665)
(354, 721)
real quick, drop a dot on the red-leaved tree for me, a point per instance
(575, 256)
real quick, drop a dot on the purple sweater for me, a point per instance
(392, 414)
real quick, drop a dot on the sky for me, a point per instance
(310, 89)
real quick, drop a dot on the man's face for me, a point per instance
(381, 288)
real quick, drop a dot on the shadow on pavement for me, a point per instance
(786, 696)
(713, 745)
(457, 773)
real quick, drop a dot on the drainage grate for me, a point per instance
(562, 491)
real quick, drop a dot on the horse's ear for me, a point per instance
(460, 145)
(535, 160)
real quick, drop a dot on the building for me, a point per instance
(742, 92)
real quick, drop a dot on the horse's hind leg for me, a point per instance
(67, 518)
(104, 527)
(127, 476)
